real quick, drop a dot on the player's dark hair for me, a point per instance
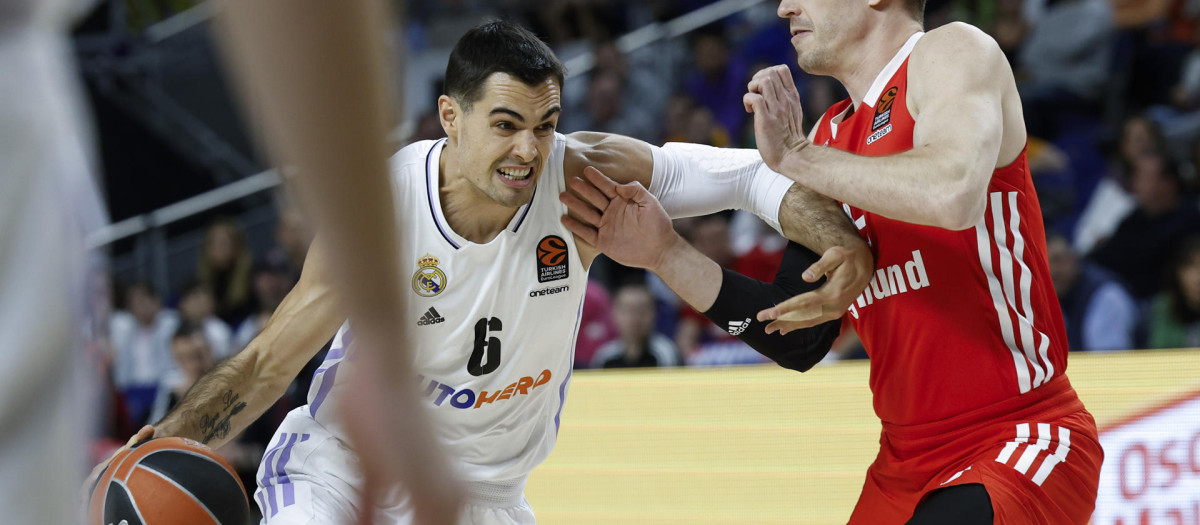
(498, 47)
(917, 9)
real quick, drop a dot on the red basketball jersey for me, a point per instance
(955, 322)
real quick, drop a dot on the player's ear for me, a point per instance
(448, 113)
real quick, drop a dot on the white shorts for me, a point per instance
(308, 476)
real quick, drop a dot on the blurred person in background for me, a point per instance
(1110, 202)
(1139, 249)
(224, 267)
(1160, 34)
(198, 308)
(293, 235)
(606, 108)
(1064, 63)
(192, 356)
(49, 203)
(596, 326)
(271, 284)
(637, 344)
(1175, 315)
(718, 77)
(140, 335)
(686, 121)
(1098, 311)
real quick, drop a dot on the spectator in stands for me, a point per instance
(607, 109)
(687, 122)
(196, 307)
(141, 346)
(1111, 202)
(1139, 249)
(566, 21)
(710, 236)
(1064, 63)
(719, 79)
(637, 344)
(271, 284)
(642, 83)
(1162, 32)
(1099, 312)
(224, 268)
(292, 238)
(192, 357)
(596, 326)
(1175, 318)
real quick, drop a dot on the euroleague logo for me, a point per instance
(882, 124)
(552, 259)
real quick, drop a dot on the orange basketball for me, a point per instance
(168, 481)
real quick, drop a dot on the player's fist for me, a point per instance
(778, 116)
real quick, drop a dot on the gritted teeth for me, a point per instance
(515, 174)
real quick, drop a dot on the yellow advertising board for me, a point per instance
(764, 445)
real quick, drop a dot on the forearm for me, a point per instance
(816, 221)
(732, 301)
(693, 277)
(231, 397)
(222, 404)
(919, 186)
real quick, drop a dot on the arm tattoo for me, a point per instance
(206, 413)
(214, 425)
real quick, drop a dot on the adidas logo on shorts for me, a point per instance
(431, 317)
(737, 327)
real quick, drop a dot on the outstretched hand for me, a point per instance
(848, 272)
(778, 115)
(623, 221)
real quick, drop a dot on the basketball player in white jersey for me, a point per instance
(495, 284)
(48, 202)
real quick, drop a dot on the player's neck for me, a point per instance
(871, 55)
(469, 212)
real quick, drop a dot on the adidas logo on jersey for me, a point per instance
(431, 317)
(737, 327)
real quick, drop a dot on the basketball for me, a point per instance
(168, 481)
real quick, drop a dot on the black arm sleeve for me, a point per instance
(741, 298)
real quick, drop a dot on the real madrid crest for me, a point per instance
(428, 280)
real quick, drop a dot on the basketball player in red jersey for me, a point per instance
(967, 344)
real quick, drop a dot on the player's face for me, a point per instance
(820, 29)
(503, 142)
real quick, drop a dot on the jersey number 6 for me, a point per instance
(475, 365)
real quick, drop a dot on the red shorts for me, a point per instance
(1040, 464)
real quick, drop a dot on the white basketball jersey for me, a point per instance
(492, 326)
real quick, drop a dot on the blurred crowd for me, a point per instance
(1111, 92)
